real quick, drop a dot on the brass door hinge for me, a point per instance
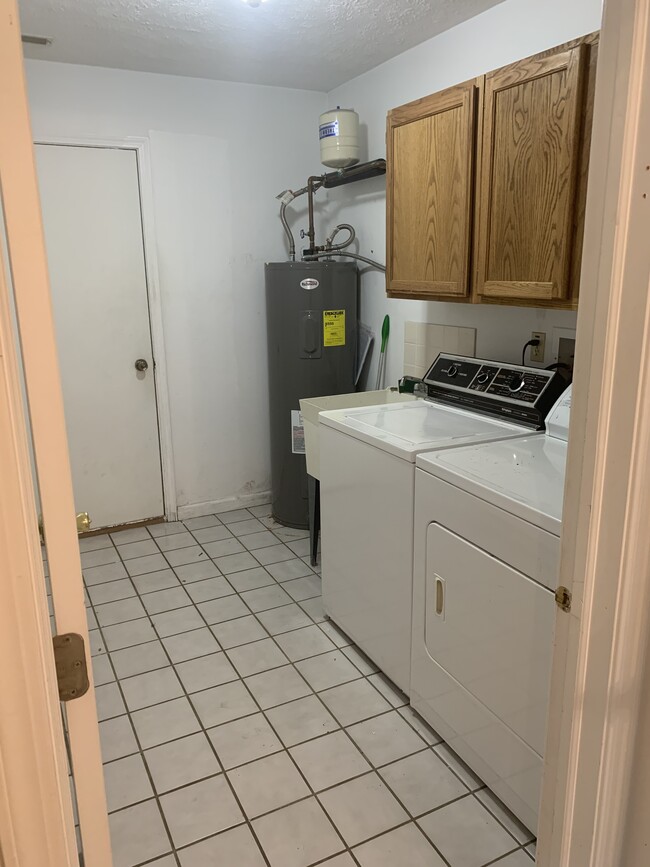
(563, 598)
(71, 668)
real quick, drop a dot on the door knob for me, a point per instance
(83, 522)
(141, 364)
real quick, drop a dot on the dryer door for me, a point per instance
(491, 628)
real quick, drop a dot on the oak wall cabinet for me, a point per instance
(431, 151)
(487, 183)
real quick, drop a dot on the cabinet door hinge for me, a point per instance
(71, 667)
(563, 598)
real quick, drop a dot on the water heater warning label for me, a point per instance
(333, 327)
(297, 433)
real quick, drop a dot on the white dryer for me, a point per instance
(487, 544)
(368, 487)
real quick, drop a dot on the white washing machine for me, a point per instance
(487, 546)
(368, 488)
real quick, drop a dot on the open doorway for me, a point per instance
(236, 537)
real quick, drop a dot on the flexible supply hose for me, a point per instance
(341, 246)
(365, 259)
(286, 198)
(359, 172)
(288, 232)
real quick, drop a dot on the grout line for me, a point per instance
(340, 649)
(154, 861)
(497, 861)
(314, 693)
(498, 820)
(173, 665)
(390, 709)
(269, 723)
(141, 752)
(287, 749)
(211, 745)
(219, 623)
(374, 770)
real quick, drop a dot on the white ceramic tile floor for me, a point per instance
(240, 727)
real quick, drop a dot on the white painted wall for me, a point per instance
(220, 153)
(507, 32)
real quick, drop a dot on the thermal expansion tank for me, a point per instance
(338, 132)
(311, 314)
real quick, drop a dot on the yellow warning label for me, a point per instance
(333, 327)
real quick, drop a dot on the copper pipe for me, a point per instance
(314, 183)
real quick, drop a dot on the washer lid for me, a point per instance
(557, 421)
(405, 429)
(524, 476)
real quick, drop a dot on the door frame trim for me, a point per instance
(141, 147)
(595, 744)
(36, 813)
(45, 811)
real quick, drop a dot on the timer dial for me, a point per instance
(516, 383)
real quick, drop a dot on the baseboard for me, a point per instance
(197, 510)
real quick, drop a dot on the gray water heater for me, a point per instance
(311, 314)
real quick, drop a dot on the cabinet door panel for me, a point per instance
(431, 146)
(528, 177)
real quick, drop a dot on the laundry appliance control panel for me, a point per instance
(511, 391)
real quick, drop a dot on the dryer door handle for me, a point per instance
(440, 596)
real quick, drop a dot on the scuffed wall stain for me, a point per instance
(254, 487)
(287, 43)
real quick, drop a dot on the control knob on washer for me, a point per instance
(482, 378)
(453, 371)
(516, 383)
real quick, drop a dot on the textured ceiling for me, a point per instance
(311, 44)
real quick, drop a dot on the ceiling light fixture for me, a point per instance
(254, 3)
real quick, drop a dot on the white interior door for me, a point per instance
(90, 200)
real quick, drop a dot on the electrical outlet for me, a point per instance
(537, 353)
